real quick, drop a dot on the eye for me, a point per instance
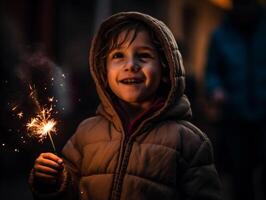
(117, 55)
(144, 56)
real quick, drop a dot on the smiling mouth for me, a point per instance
(131, 81)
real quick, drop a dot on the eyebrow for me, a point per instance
(147, 47)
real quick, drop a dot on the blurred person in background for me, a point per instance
(235, 82)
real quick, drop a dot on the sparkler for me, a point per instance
(43, 124)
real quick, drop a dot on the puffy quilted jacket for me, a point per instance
(166, 157)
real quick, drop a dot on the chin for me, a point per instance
(131, 99)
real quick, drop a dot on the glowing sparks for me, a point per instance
(42, 124)
(31, 91)
(20, 115)
(50, 99)
(14, 108)
(33, 96)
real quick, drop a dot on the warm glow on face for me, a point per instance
(134, 69)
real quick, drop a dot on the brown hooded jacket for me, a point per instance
(165, 157)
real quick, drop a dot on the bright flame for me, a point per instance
(42, 124)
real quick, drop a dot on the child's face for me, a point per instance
(134, 70)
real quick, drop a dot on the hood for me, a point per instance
(176, 105)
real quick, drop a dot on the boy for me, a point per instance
(138, 146)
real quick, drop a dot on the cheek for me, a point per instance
(155, 74)
(111, 76)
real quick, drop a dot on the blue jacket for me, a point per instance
(237, 65)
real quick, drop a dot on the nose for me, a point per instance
(132, 65)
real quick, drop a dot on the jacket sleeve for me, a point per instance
(199, 180)
(67, 187)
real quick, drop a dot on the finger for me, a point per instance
(47, 170)
(53, 157)
(47, 163)
(45, 177)
(41, 175)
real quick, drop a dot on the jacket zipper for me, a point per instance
(118, 179)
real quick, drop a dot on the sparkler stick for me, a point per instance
(51, 139)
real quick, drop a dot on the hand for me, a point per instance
(48, 168)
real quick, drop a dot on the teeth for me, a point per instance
(131, 81)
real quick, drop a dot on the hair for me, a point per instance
(111, 41)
